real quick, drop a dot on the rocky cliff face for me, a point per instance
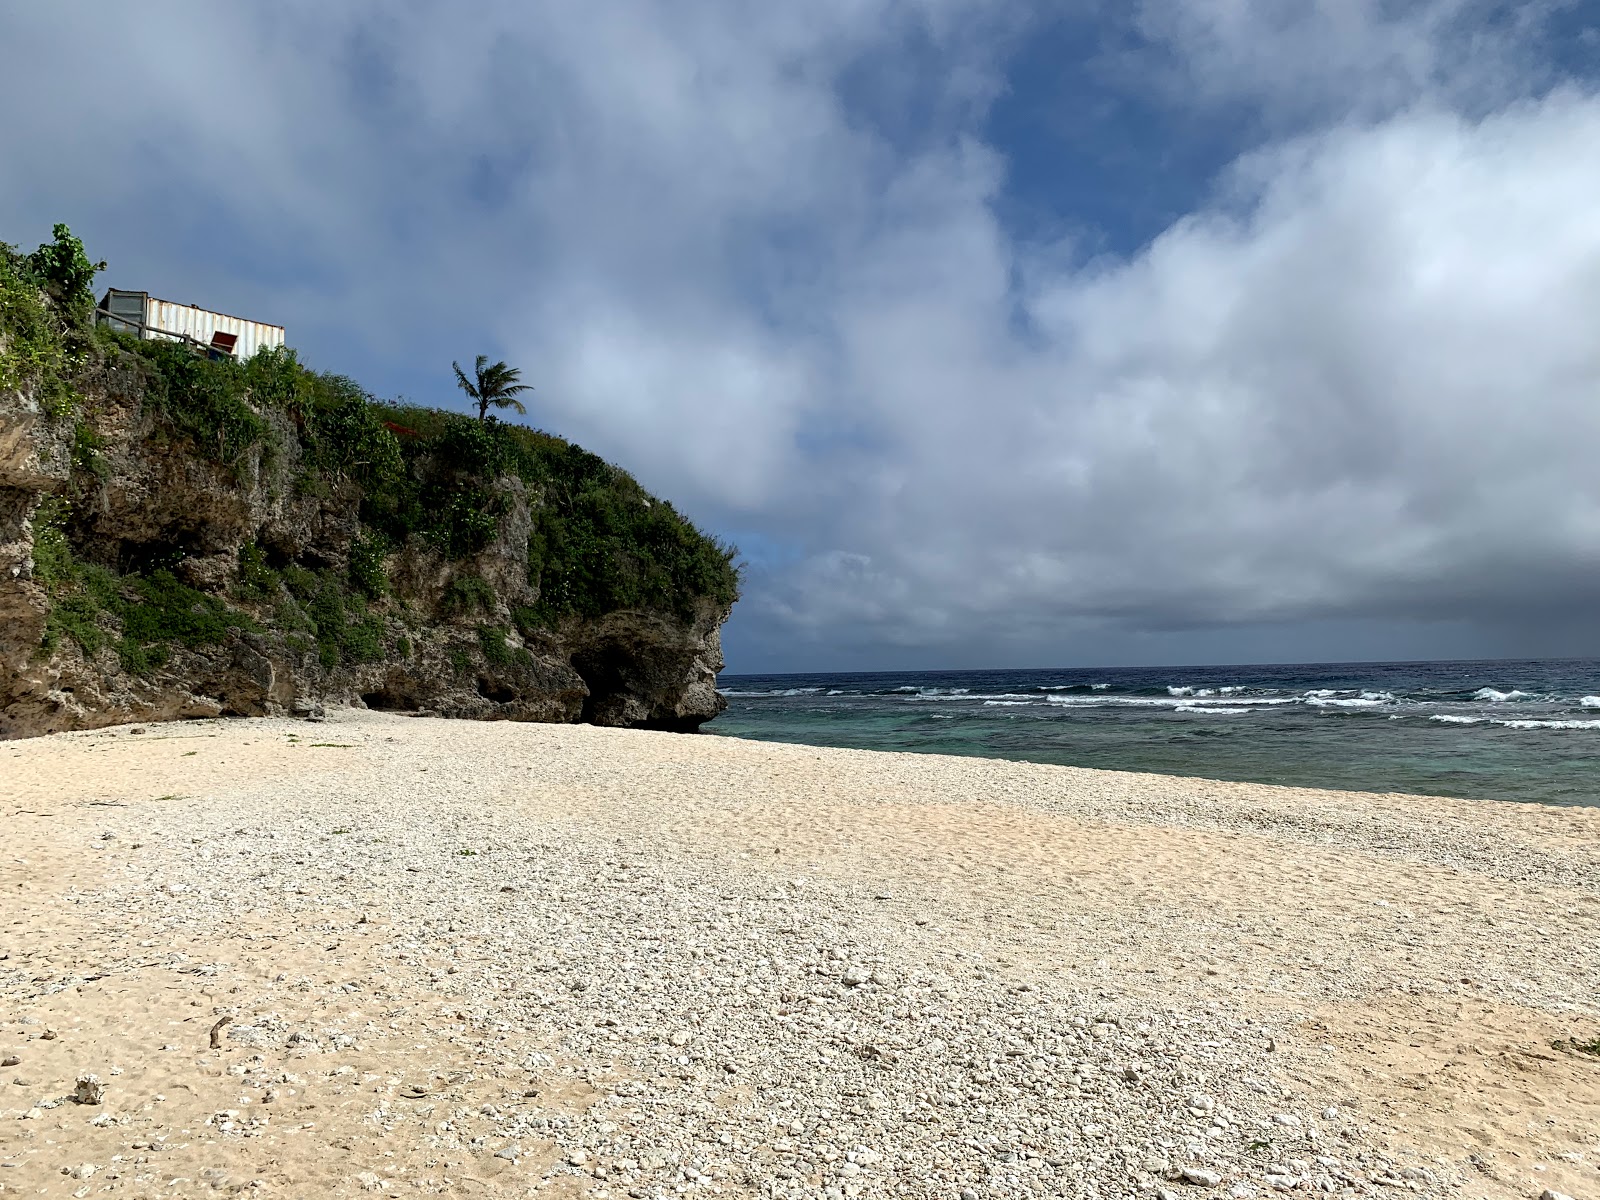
(148, 574)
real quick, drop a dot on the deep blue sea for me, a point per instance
(1502, 730)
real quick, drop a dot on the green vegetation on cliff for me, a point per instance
(417, 478)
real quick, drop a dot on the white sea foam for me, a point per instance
(1364, 701)
(1220, 710)
(1495, 696)
(1107, 701)
(1253, 701)
(1006, 703)
(1590, 702)
(731, 692)
(1550, 724)
(785, 692)
(1157, 702)
(1451, 719)
(965, 695)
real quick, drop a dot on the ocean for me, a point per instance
(1499, 730)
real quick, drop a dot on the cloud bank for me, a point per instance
(763, 260)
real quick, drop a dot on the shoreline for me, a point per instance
(1172, 964)
(1217, 780)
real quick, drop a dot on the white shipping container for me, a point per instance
(238, 336)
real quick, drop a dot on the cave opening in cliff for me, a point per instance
(387, 700)
(498, 692)
(156, 554)
(602, 670)
(616, 670)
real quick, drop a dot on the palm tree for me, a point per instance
(497, 385)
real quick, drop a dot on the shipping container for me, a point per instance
(144, 315)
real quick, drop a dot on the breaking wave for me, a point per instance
(1453, 719)
(808, 691)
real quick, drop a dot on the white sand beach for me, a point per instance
(529, 960)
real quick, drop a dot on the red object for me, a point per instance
(224, 342)
(400, 430)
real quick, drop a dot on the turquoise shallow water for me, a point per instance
(1502, 730)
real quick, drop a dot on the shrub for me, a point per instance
(86, 456)
(155, 612)
(170, 611)
(345, 632)
(368, 574)
(492, 641)
(204, 399)
(257, 580)
(33, 337)
(64, 270)
(467, 594)
(52, 554)
(76, 616)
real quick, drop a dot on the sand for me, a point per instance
(493, 959)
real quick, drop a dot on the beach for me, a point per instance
(386, 955)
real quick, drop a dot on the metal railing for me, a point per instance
(122, 323)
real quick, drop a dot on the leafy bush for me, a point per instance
(34, 336)
(600, 541)
(368, 574)
(64, 270)
(467, 594)
(155, 612)
(464, 521)
(257, 580)
(86, 456)
(345, 631)
(173, 612)
(275, 377)
(204, 399)
(77, 617)
(52, 554)
(343, 432)
(492, 641)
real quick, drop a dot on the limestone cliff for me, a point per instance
(181, 537)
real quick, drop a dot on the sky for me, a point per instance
(993, 332)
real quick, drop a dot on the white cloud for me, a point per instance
(1360, 382)
(1304, 58)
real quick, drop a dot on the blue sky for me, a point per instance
(995, 333)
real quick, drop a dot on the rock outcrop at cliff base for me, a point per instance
(184, 538)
